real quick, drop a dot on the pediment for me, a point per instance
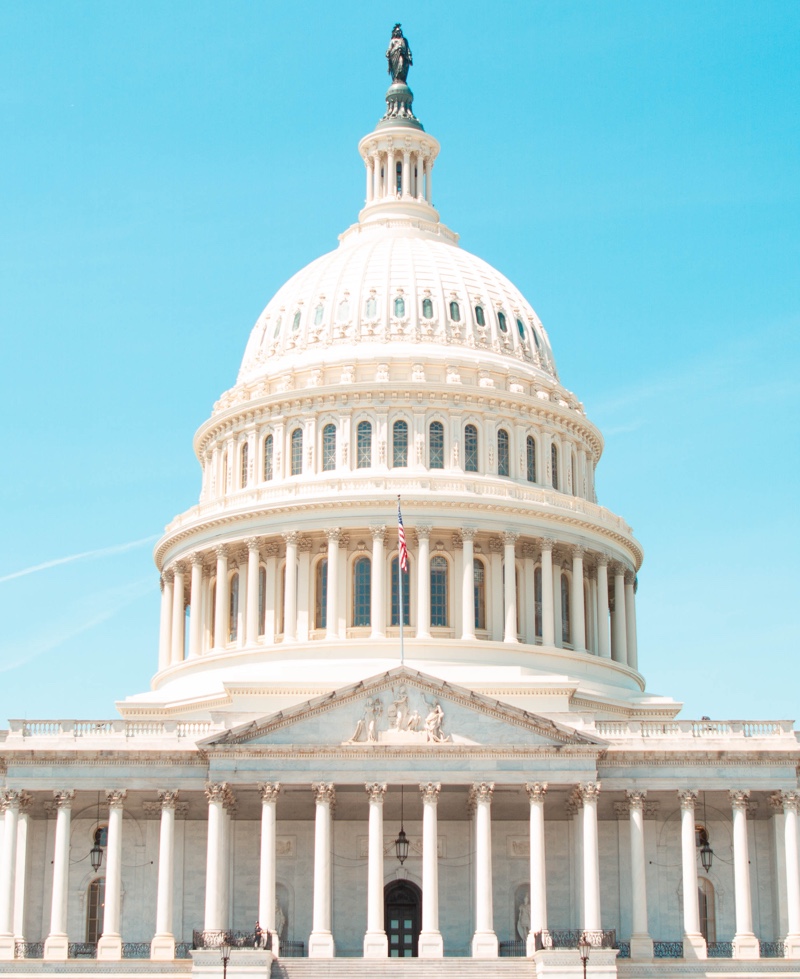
(403, 708)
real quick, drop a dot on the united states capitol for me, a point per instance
(446, 754)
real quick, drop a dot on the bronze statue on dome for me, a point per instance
(398, 55)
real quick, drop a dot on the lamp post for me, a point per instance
(401, 843)
(583, 950)
(225, 952)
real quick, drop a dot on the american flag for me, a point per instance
(401, 540)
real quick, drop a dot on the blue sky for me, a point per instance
(633, 167)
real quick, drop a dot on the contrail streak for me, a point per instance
(84, 555)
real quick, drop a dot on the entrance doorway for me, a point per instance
(402, 904)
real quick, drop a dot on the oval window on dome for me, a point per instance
(277, 327)
(344, 310)
(501, 322)
(318, 314)
(427, 309)
(455, 312)
(296, 322)
(399, 306)
(480, 319)
(521, 328)
(370, 307)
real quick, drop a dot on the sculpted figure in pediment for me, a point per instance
(367, 727)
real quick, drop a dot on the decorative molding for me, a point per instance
(376, 791)
(430, 791)
(687, 799)
(536, 791)
(116, 798)
(269, 791)
(589, 791)
(324, 792)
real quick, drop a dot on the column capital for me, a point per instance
(168, 798)
(423, 531)
(481, 792)
(334, 534)
(196, 559)
(10, 799)
(376, 791)
(496, 544)
(269, 791)
(578, 551)
(468, 533)
(179, 567)
(510, 537)
(547, 543)
(63, 798)
(167, 576)
(271, 549)
(116, 798)
(739, 799)
(636, 798)
(791, 802)
(291, 537)
(536, 791)
(630, 576)
(602, 560)
(216, 791)
(430, 791)
(687, 799)
(305, 544)
(589, 791)
(324, 792)
(378, 531)
(529, 550)
(252, 543)
(617, 568)
(221, 550)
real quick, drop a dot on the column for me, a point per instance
(196, 605)
(484, 941)
(8, 863)
(603, 645)
(536, 793)
(304, 614)
(21, 870)
(332, 592)
(368, 195)
(591, 858)
(378, 586)
(375, 943)
(178, 616)
(529, 600)
(251, 605)
(510, 586)
(468, 583)
(694, 945)
(497, 605)
(619, 647)
(221, 602)
(109, 947)
(791, 808)
(641, 942)
(320, 942)
(548, 621)
(165, 630)
(430, 938)
(745, 943)
(162, 947)
(215, 794)
(406, 172)
(423, 582)
(290, 588)
(558, 619)
(577, 606)
(630, 620)
(271, 553)
(428, 182)
(56, 945)
(269, 861)
(376, 177)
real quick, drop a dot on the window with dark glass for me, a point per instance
(362, 598)
(471, 449)
(399, 306)
(566, 634)
(480, 319)
(233, 608)
(398, 169)
(530, 456)
(297, 451)
(537, 600)
(479, 592)
(427, 309)
(243, 470)
(502, 452)
(328, 448)
(436, 446)
(268, 457)
(521, 329)
(438, 591)
(321, 595)
(396, 596)
(501, 322)
(95, 905)
(363, 445)
(455, 312)
(554, 463)
(399, 445)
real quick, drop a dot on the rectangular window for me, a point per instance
(438, 591)
(395, 596)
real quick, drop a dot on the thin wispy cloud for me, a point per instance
(82, 556)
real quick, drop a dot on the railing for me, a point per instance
(569, 939)
(292, 950)
(183, 950)
(117, 729)
(686, 730)
(772, 950)
(513, 949)
(668, 950)
(235, 939)
(720, 950)
(136, 950)
(82, 950)
(624, 950)
(28, 950)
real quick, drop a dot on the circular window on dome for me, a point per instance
(277, 327)
(399, 306)
(480, 319)
(318, 314)
(427, 309)
(501, 322)
(296, 322)
(521, 328)
(370, 308)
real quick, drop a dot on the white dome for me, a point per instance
(397, 281)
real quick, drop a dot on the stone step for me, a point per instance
(446, 968)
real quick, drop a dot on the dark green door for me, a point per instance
(402, 906)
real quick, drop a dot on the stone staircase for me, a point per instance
(446, 968)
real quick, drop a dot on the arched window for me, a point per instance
(471, 449)
(370, 308)
(277, 327)
(537, 601)
(521, 329)
(297, 451)
(268, 457)
(243, 470)
(296, 322)
(566, 633)
(362, 592)
(708, 912)
(438, 591)
(501, 322)
(530, 447)
(395, 618)
(95, 903)
(364, 445)
(262, 599)
(398, 171)
(455, 312)
(480, 319)
(479, 579)
(321, 595)
(233, 608)
(344, 311)
(224, 472)
(399, 306)
(427, 309)
(554, 463)
(399, 445)
(436, 446)
(502, 452)
(319, 312)
(328, 448)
